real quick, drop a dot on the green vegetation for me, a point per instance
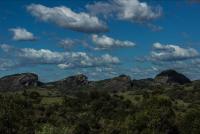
(170, 110)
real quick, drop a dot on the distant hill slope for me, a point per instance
(120, 83)
(78, 82)
(70, 83)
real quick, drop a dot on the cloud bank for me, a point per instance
(64, 60)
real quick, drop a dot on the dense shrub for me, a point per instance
(95, 112)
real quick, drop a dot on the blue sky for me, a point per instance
(101, 39)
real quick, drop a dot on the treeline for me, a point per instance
(95, 112)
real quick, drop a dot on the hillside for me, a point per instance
(166, 104)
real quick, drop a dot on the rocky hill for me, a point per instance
(171, 77)
(120, 83)
(19, 81)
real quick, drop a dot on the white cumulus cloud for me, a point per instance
(67, 43)
(21, 34)
(44, 56)
(105, 42)
(65, 66)
(172, 52)
(5, 47)
(7, 64)
(130, 10)
(65, 17)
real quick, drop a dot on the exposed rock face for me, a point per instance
(171, 77)
(71, 83)
(18, 81)
(119, 83)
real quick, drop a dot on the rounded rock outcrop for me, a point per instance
(171, 77)
(18, 81)
(120, 83)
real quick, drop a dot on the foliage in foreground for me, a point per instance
(95, 112)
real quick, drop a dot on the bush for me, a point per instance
(190, 123)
